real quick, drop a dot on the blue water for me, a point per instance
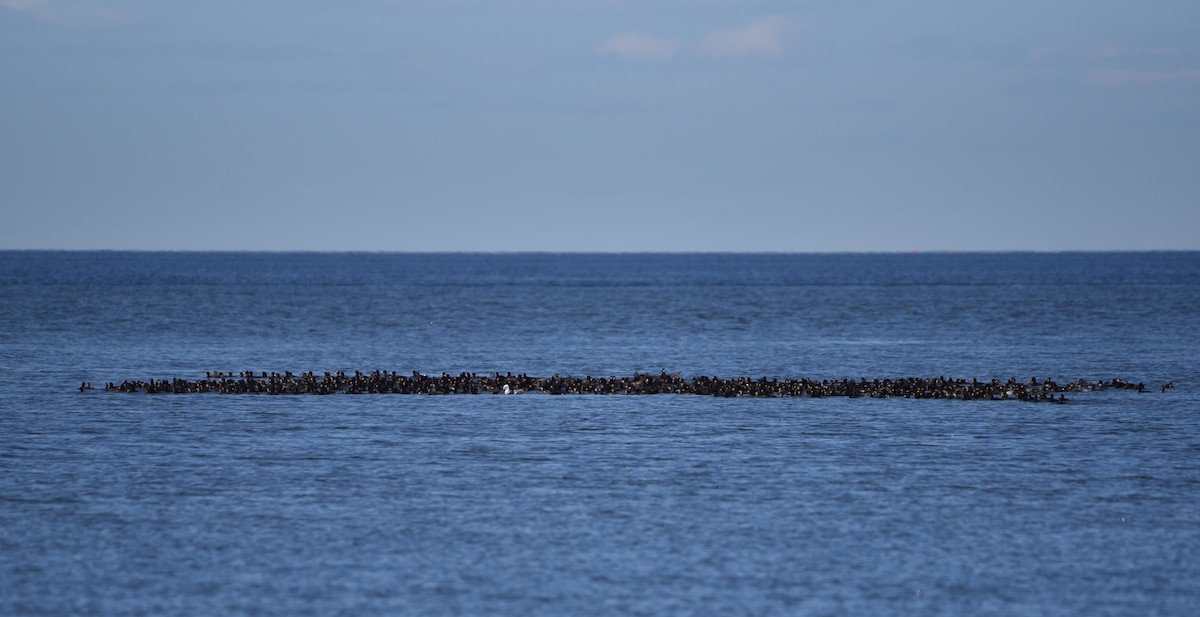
(117, 504)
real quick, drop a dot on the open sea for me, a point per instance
(209, 504)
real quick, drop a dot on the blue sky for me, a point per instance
(600, 125)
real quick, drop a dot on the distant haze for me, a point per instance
(600, 125)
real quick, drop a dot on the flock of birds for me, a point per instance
(384, 382)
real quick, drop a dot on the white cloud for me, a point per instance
(765, 37)
(640, 46)
(1131, 77)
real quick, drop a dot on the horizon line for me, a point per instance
(915, 251)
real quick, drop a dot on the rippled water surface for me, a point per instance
(114, 504)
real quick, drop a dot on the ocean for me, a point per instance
(160, 504)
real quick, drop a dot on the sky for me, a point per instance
(600, 125)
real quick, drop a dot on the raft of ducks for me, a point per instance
(384, 382)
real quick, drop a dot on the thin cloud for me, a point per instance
(1103, 52)
(85, 14)
(1111, 52)
(639, 46)
(25, 6)
(765, 37)
(1132, 77)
